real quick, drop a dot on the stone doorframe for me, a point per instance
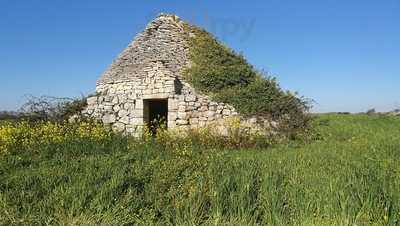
(172, 107)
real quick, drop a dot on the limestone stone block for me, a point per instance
(122, 113)
(115, 100)
(92, 100)
(108, 107)
(172, 105)
(139, 104)
(169, 89)
(125, 120)
(195, 114)
(190, 108)
(190, 98)
(159, 96)
(253, 120)
(116, 108)
(109, 118)
(274, 124)
(226, 112)
(136, 121)
(100, 99)
(132, 96)
(123, 98)
(171, 124)
(172, 115)
(210, 113)
(182, 122)
(128, 106)
(181, 108)
(119, 127)
(91, 107)
(203, 108)
(182, 115)
(136, 113)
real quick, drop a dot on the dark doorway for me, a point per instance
(156, 114)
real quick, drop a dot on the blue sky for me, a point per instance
(344, 54)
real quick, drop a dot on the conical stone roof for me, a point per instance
(164, 40)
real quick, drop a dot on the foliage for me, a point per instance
(29, 136)
(371, 111)
(215, 66)
(233, 135)
(228, 77)
(47, 108)
(10, 115)
(350, 177)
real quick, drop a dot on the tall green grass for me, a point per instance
(350, 176)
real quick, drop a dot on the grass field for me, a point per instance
(350, 176)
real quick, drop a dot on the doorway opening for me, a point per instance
(155, 114)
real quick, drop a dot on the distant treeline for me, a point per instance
(10, 115)
(46, 108)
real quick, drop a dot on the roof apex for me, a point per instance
(164, 18)
(167, 15)
(163, 39)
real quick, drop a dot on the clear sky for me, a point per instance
(344, 54)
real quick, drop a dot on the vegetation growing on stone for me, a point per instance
(227, 77)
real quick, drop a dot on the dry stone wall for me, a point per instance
(121, 104)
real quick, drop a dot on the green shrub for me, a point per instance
(216, 66)
(47, 108)
(227, 77)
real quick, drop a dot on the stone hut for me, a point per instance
(146, 82)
